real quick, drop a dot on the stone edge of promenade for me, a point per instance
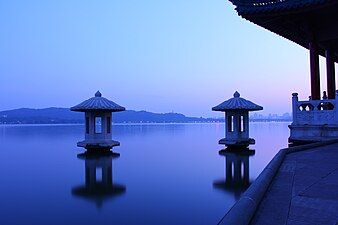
(243, 210)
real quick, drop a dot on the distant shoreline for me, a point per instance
(65, 116)
(127, 124)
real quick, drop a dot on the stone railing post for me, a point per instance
(336, 108)
(295, 108)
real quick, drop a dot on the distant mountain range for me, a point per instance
(65, 116)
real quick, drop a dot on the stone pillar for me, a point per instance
(236, 125)
(226, 124)
(336, 109)
(295, 108)
(246, 125)
(314, 70)
(330, 71)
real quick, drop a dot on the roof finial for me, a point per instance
(98, 94)
(236, 94)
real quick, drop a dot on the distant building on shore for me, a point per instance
(286, 117)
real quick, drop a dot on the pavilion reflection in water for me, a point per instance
(98, 189)
(237, 178)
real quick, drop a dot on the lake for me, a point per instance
(166, 174)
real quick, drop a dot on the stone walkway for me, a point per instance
(304, 191)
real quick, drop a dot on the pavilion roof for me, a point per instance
(98, 192)
(300, 21)
(237, 103)
(263, 6)
(97, 103)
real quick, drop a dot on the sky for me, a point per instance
(182, 56)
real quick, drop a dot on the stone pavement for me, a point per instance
(304, 191)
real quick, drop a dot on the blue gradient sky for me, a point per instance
(161, 56)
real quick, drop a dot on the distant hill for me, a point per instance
(64, 115)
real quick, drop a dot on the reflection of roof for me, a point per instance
(232, 185)
(97, 103)
(237, 103)
(301, 21)
(262, 6)
(99, 192)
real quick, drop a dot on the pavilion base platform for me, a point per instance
(237, 143)
(300, 134)
(104, 146)
(98, 154)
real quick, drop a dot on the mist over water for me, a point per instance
(168, 172)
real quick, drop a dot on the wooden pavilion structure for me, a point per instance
(313, 25)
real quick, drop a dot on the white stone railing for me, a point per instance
(314, 112)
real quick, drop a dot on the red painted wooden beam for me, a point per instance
(331, 79)
(314, 70)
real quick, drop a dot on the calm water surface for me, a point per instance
(166, 174)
